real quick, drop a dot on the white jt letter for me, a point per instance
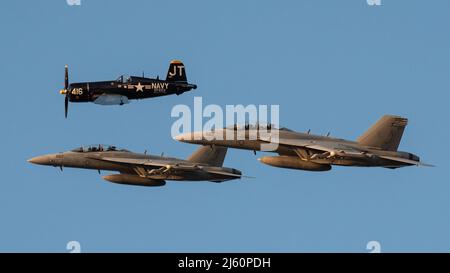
(180, 70)
(174, 72)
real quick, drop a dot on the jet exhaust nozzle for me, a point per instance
(291, 162)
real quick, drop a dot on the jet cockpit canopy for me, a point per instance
(256, 126)
(97, 148)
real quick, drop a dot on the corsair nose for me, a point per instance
(40, 160)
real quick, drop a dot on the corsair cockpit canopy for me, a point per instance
(123, 79)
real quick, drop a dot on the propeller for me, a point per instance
(65, 91)
(61, 166)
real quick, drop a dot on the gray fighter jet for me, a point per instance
(142, 169)
(377, 147)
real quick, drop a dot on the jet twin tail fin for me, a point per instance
(385, 134)
(209, 155)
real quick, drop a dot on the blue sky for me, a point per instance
(331, 66)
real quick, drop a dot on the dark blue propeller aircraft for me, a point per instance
(123, 89)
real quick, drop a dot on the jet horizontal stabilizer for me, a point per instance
(407, 161)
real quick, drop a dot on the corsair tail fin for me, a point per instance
(210, 155)
(385, 134)
(176, 72)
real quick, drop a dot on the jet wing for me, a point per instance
(324, 146)
(134, 161)
(142, 163)
(164, 166)
(404, 160)
(221, 172)
(336, 148)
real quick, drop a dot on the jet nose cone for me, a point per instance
(184, 137)
(192, 137)
(40, 160)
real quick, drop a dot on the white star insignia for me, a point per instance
(139, 87)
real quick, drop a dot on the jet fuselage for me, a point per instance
(256, 140)
(122, 161)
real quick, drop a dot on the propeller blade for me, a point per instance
(65, 91)
(66, 77)
(61, 166)
(66, 105)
